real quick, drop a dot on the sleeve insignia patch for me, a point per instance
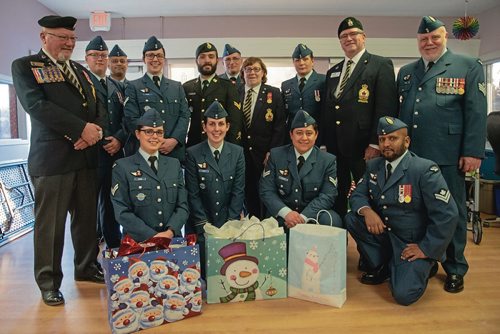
(443, 195)
(333, 180)
(114, 189)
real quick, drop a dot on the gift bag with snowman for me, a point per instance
(153, 287)
(317, 263)
(246, 261)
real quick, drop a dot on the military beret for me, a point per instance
(117, 52)
(152, 44)
(429, 24)
(206, 47)
(97, 44)
(229, 49)
(216, 110)
(302, 119)
(151, 117)
(56, 21)
(301, 51)
(388, 124)
(349, 23)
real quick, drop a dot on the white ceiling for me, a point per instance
(155, 8)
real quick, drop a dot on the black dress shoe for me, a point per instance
(434, 270)
(53, 297)
(96, 277)
(454, 283)
(375, 277)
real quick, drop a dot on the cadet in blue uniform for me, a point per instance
(67, 122)
(148, 192)
(207, 88)
(111, 94)
(403, 215)
(356, 96)
(231, 58)
(305, 90)
(299, 179)
(443, 100)
(118, 65)
(167, 96)
(215, 177)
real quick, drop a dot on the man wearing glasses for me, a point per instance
(118, 64)
(67, 122)
(111, 94)
(207, 88)
(231, 59)
(154, 90)
(148, 193)
(359, 90)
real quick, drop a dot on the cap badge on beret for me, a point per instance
(350, 23)
(209, 46)
(389, 120)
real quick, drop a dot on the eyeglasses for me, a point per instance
(98, 56)
(152, 56)
(151, 132)
(351, 35)
(232, 59)
(63, 37)
(252, 69)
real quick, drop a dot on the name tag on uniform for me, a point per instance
(203, 171)
(335, 75)
(139, 179)
(283, 178)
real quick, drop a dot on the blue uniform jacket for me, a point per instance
(315, 189)
(415, 205)
(446, 122)
(146, 203)
(215, 190)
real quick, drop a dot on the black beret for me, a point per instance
(349, 23)
(206, 47)
(56, 21)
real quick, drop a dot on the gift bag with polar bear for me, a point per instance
(317, 264)
(152, 288)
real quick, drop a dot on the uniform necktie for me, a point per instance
(156, 80)
(247, 108)
(103, 83)
(345, 77)
(72, 79)
(152, 160)
(429, 66)
(389, 171)
(233, 80)
(205, 86)
(301, 162)
(216, 155)
(302, 83)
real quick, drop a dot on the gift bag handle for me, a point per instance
(317, 217)
(262, 227)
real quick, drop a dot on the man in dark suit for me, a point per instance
(300, 180)
(148, 193)
(231, 58)
(403, 215)
(67, 122)
(111, 94)
(207, 88)
(359, 90)
(443, 100)
(154, 90)
(305, 90)
(215, 177)
(265, 128)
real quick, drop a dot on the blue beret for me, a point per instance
(388, 124)
(152, 44)
(301, 51)
(215, 110)
(429, 24)
(349, 23)
(302, 119)
(56, 21)
(229, 49)
(97, 44)
(151, 117)
(117, 52)
(206, 47)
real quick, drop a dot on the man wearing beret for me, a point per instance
(359, 90)
(300, 179)
(111, 94)
(207, 88)
(215, 177)
(67, 122)
(305, 90)
(154, 90)
(148, 193)
(231, 58)
(403, 215)
(443, 100)
(118, 64)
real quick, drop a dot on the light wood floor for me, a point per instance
(368, 309)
